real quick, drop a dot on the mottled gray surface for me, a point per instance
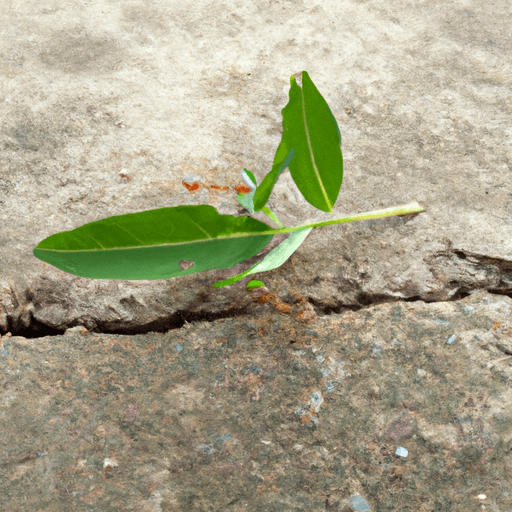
(367, 340)
(109, 107)
(267, 413)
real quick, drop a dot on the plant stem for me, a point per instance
(272, 215)
(378, 214)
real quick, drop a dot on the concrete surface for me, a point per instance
(117, 107)
(266, 413)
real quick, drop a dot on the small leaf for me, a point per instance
(156, 244)
(274, 259)
(255, 283)
(247, 200)
(310, 128)
(282, 160)
(250, 179)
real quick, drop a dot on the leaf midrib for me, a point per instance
(224, 237)
(308, 138)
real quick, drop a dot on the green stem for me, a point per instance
(378, 214)
(397, 210)
(272, 215)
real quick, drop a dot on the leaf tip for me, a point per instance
(255, 283)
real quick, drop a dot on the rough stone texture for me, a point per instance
(373, 336)
(116, 107)
(267, 413)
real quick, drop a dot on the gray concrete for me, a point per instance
(107, 108)
(113, 107)
(266, 413)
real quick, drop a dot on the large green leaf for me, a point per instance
(310, 128)
(156, 244)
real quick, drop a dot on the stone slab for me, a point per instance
(268, 413)
(113, 107)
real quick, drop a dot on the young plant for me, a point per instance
(181, 240)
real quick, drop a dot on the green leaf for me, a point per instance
(310, 128)
(156, 244)
(250, 179)
(247, 200)
(255, 283)
(282, 160)
(274, 259)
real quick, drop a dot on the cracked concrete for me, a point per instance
(111, 109)
(266, 413)
(116, 107)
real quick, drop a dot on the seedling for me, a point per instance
(181, 240)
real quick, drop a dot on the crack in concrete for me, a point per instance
(462, 272)
(183, 319)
